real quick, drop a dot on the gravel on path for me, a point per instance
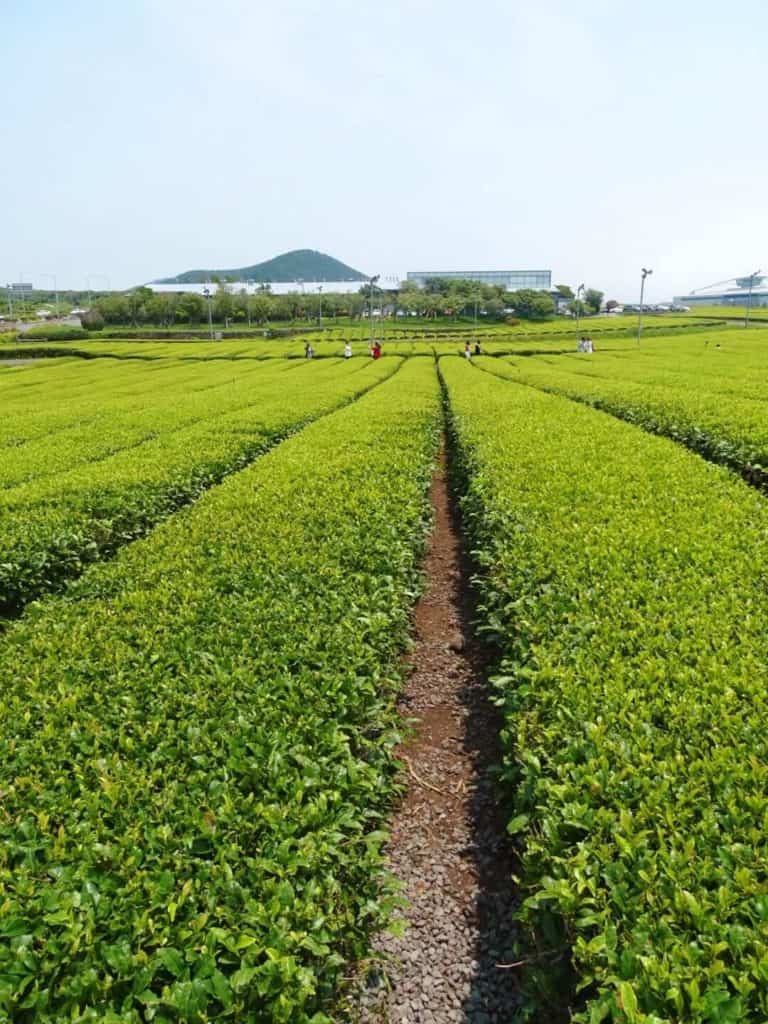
(448, 841)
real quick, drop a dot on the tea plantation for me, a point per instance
(209, 558)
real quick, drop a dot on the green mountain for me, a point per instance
(299, 265)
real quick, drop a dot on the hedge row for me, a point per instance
(55, 524)
(625, 584)
(54, 332)
(196, 739)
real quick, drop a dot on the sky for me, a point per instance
(143, 138)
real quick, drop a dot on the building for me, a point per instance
(733, 292)
(385, 283)
(511, 280)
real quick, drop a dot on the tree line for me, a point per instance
(439, 298)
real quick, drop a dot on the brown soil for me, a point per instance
(448, 841)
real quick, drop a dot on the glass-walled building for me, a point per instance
(511, 280)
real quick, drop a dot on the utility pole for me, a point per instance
(578, 308)
(752, 278)
(645, 273)
(207, 294)
(55, 290)
(371, 283)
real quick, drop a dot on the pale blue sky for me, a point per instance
(145, 138)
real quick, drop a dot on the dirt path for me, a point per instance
(448, 846)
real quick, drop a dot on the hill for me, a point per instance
(300, 264)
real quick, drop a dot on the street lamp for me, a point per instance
(319, 305)
(752, 278)
(88, 277)
(55, 290)
(578, 307)
(207, 294)
(371, 283)
(645, 273)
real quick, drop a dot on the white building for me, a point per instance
(733, 292)
(385, 283)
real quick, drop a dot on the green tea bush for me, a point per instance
(715, 407)
(196, 741)
(624, 582)
(81, 478)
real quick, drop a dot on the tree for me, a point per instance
(532, 305)
(593, 299)
(161, 309)
(191, 308)
(565, 290)
(223, 304)
(114, 308)
(356, 304)
(240, 306)
(611, 304)
(437, 285)
(260, 308)
(138, 300)
(493, 307)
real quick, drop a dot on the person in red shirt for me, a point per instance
(376, 350)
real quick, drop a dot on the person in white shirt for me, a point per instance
(347, 351)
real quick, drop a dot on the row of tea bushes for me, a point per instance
(624, 582)
(60, 417)
(196, 739)
(729, 429)
(55, 524)
(132, 400)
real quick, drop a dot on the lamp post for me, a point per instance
(752, 278)
(319, 305)
(207, 294)
(88, 277)
(645, 273)
(371, 283)
(55, 290)
(580, 289)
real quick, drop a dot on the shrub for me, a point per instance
(92, 320)
(54, 332)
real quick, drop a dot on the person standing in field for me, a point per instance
(478, 350)
(376, 350)
(308, 350)
(347, 350)
(467, 350)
